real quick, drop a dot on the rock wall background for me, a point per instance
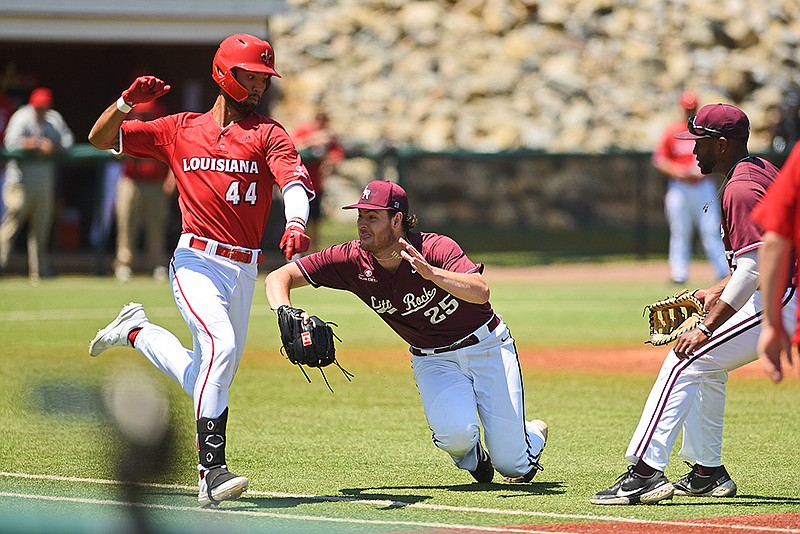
(586, 84)
(558, 75)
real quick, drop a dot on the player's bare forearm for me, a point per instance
(467, 287)
(774, 261)
(280, 282)
(719, 313)
(105, 132)
(710, 295)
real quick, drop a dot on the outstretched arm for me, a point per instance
(280, 282)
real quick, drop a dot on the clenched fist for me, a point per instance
(144, 89)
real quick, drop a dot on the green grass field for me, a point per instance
(359, 459)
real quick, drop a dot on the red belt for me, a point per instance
(468, 341)
(235, 254)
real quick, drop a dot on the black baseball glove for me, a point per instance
(308, 343)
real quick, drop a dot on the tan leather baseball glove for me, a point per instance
(672, 316)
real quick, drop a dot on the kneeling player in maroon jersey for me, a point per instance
(464, 359)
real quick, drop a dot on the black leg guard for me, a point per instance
(211, 440)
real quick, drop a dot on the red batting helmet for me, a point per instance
(245, 52)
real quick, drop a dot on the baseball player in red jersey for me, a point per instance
(778, 213)
(225, 162)
(687, 194)
(689, 392)
(464, 360)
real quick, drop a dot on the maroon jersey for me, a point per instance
(224, 176)
(744, 190)
(422, 313)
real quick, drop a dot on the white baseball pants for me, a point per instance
(690, 394)
(683, 206)
(480, 384)
(214, 296)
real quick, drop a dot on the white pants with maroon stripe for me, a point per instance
(690, 394)
(480, 384)
(214, 295)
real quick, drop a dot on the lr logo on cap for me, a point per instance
(365, 195)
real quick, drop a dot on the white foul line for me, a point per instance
(383, 503)
(273, 515)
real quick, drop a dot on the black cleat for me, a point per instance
(484, 473)
(218, 484)
(693, 484)
(632, 488)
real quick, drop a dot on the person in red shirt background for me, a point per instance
(689, 200)
(321, 151)
(778, 213)
(143, 189)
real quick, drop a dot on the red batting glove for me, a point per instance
(144, 89)
(294, 241)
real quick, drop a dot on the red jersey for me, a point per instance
(677, 151)
(144, 169)
(778, 212)
(224, 176)
(421, 313)
(745, 188)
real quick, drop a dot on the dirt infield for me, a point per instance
(765, 523)
(644, 360)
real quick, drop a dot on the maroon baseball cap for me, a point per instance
(382, 195)
(41, 97)
(717, 120)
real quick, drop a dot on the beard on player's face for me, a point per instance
(376, 237)
(245, 107)
(707, 165)
(705, 154)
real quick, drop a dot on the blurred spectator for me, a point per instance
(785, 127)
(6, 109)
(141, 203)
(689, 201)
(320, 151)
(35, 135)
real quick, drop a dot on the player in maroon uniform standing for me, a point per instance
(690, 390)
(464, 359)
(225, 162)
